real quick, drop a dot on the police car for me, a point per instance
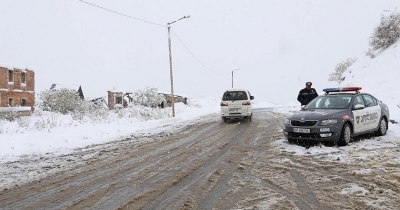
(337, 116)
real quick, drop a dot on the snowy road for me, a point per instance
(208, 165)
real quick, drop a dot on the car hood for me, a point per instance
(317, 114)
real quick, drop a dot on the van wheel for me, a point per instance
(345, 136)
(247, 119)
(225, 119)
(382, 128)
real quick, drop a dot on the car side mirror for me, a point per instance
(359, 106)
(251, 97)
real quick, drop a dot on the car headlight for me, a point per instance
(328, 122)
(287, 122)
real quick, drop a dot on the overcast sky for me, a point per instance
(277, 45)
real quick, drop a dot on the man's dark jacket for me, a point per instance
(306, 95)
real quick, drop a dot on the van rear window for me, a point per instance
(234, 95)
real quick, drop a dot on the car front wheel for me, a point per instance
(382, 128)
(345, 135)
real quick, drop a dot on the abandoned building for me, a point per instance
(117, 97)
(100, 101)
(17, 88)
(177, 99)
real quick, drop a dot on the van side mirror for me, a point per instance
(251, 97)
(359, 106)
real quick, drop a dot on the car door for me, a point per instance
(358, 123)
(373, 112)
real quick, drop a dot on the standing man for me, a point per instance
(307, 94)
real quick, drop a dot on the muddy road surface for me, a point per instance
(207, 165)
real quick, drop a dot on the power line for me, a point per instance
(120, 13)
(195, 56)
(128, 16)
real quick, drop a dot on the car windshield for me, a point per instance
(234, 95)
(330, 102)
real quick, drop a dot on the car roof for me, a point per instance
(236, 89)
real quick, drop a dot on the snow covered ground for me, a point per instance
(23, 143)
(47, 132)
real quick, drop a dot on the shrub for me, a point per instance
(61, 101)
(370, 53)
(387, 32)
(147, 97)
(96, 112)
(144, 113)
(9, 115)
(339, 69)
(40, 124)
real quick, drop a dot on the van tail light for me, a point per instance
(224, 104)
(246, 103)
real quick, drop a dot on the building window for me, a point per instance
(23, 102)
(23, 77)
(10, 76)
(10, 102)
(118, 100)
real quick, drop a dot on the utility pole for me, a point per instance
(232, 75)
(170, 63)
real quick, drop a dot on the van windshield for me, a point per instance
(234, 95)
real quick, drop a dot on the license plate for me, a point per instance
(324, 130)
(301, 130)
(233, 110)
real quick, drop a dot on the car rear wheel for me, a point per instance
(249, 118)
(345, 136)
(382, 128)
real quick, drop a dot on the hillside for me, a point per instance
(378, 76)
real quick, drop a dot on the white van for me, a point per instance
(236, 104)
